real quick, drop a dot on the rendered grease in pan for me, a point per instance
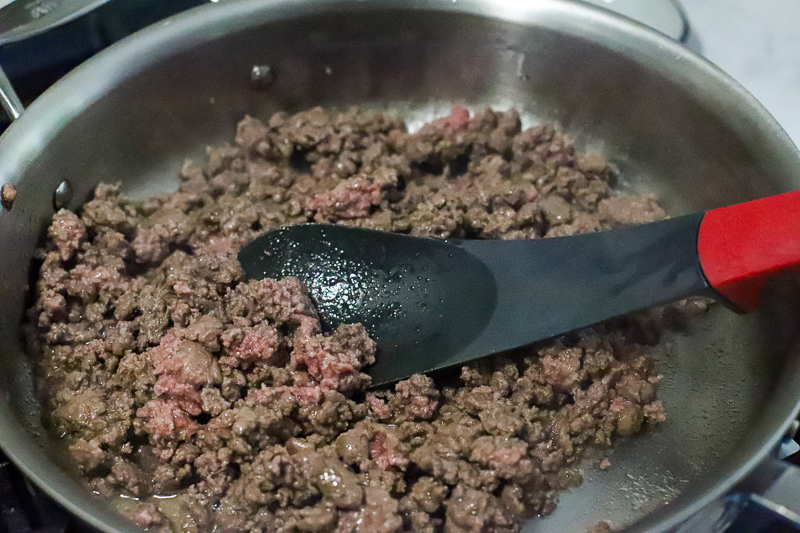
(212, 402)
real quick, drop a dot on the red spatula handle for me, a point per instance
(744, 245)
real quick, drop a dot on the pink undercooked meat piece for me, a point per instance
(165, 418)
(353, 198)
(252, 345)
(384, 451)
(335, 361)
(183, 367)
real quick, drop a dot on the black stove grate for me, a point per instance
(25, 509)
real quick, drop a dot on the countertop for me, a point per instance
(758, 44)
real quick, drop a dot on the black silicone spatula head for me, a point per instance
(432, 303)
(403, 289)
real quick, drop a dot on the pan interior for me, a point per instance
(667, 121)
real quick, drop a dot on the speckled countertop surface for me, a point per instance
(758, 43)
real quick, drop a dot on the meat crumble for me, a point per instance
(8, 195)
(213, 402)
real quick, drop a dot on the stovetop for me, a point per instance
(756, 42)
(36, 63)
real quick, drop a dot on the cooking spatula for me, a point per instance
(433, 303)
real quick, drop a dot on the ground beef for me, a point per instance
(168, 374)
(8, 195)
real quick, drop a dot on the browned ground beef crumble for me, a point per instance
(169, 374)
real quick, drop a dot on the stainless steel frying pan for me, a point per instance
(667, 119)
